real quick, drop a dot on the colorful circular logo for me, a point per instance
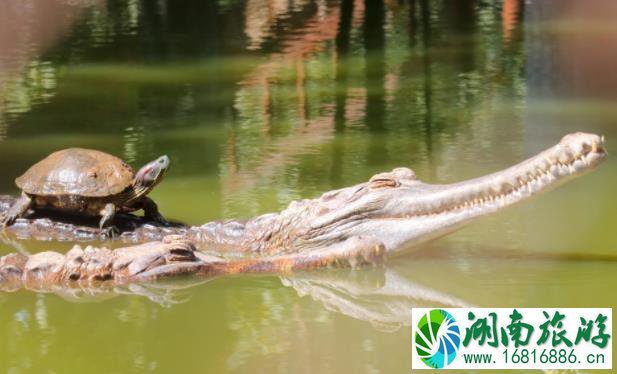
(437, 339)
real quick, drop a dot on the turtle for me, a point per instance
(88, 182)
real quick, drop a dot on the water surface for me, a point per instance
(259, 103)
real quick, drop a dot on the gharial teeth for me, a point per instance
(565, 157)
(527, 184)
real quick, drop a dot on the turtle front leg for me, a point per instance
(17, 210)
(151, 211)
(107, 218)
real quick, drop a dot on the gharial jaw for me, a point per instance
(402, 211)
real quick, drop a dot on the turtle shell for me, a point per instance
(77, 171)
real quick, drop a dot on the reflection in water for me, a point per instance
(382, 298)
(348, 64)
(27, 29)
(132, 138)
(263, 102)
(362, 88)
(510, 15)
(165, 294)
(36, 86)
(263, 16)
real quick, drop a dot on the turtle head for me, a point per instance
(150, 175)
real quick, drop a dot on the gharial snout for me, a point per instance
(580, 150)
(575, 154)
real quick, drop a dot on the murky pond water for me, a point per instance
(259, 103)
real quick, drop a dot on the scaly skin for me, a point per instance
(394, 208)
(92, 268)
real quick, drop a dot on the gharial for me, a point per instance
(88, 182)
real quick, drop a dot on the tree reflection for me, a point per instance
(366, 80)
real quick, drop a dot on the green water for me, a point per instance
(261, 103)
